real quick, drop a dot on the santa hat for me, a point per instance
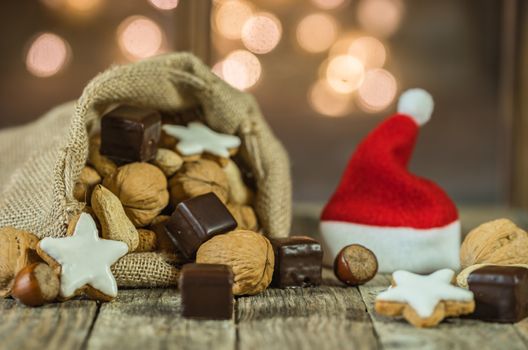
(407, 221)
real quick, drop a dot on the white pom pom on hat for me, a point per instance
(418, 104)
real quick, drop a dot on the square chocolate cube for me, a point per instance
(207, 291)
(196, 220)
(130, 134)
(298, 262)
(501, 293)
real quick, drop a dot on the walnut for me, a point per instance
(244, 215)
(196, 178)
(239, 193)
(142, 189)
(168, 161)
(249, 254)
(84, 186)
(496, 242)
(17, 251)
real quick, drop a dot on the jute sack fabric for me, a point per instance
(40, 162)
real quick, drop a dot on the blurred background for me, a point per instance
(324, 71)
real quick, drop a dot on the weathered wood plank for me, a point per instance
(57, 326)
(452, 334)
(327, 317)
(150, 319)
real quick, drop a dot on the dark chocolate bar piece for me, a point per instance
(207, 291)
(196, 220)
(501, 293)
(298, 262)
(130, 134)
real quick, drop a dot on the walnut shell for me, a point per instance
(84, 186)
(496, 242)
(197, 178)
(249, 254)
(16, 252)
(245, 216)
(168, 161)
(142, 189)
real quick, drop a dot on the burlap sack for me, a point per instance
(40, 162)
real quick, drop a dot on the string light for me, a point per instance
(377, 91)
(380, 17)
(324, 100)
(139, 37)
(230, 16)
(164, 4)
(329, 4)
(345, 73)
(316, 32)
(241, 69)
(369, 50)
(261, 33)
(47, 55)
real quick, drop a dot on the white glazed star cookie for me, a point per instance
(197, 138)
(424, 301)
(84, 261)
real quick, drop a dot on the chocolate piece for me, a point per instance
(298, 262)
(355, 265)
(130, 134)
(501, 293)
(207, 291)
(196, 220)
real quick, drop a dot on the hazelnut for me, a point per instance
(249, 254)
(239, 193)
(355, 265)
(142, 189)
(168, 161)
(36, 284)
(197, 178)
(245, 216)
(102, 164)
(84, 186)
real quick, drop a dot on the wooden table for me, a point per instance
(328, 317)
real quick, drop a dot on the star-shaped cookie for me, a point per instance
(84, 260)
(424, 301)
(197, 138)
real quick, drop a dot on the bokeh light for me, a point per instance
(369, 50)
(230, 17)
(380, 17)
(342, 45)
(324, 100)
(217, 69)
(345, 73)
(139, 37)
(83, 5)
(377, 91)
(261, 33)
(317, 32)
(241, 69)
(47, 55)
(329, 4)
(164, 4)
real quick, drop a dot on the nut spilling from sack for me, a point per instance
(168, 185)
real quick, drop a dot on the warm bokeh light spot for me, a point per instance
(241, 69)
(83, 5)
(329, 4)
(230, 16)
(261, 33)
(47, 55)
(377, 91)
(369, 50)
(342, 45)
(217, 69)
(380, 17)
(139, 37)
(317, 32)
(345, 73)
(164, 4)
(324, 100)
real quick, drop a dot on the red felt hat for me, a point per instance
(407, 221)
